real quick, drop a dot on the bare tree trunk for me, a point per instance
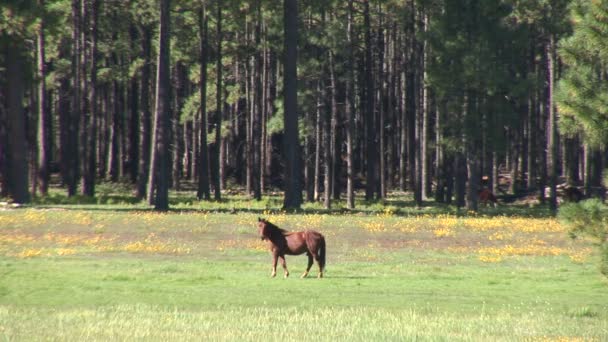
(403, 135)
(571, 156)
(44, 117)
(144, 117)
(410, 110)
(370, 186)
(293, 192)
(248, 123)
(219, 108)
(381, 86)
(114, 141)
(133, 104)
(318, 141)
(553, 147)
(350, 115)
(203, 164)
(72, 138)
(472, 143)
(392, 108)
(160, 140)
(335, 138)
(440, 190)
(178, 132)
(425, 186)
(460, 179)
(90, 147)
(531, 179)
(188, 140)
(16, 134)
(257, 107)
(264, 141)
(85, 115)
(309, 163)
(327, 152)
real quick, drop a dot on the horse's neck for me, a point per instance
(276, 231)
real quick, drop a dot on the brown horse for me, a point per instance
(486, 196)
(282, 242)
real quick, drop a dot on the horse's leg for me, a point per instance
(315, 254)
(310, 262)
(282, 257)
(320, 267)
(274, 264)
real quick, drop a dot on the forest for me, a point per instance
(319, 99)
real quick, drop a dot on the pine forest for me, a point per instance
(317, 100)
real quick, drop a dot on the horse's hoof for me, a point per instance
(304, 275)
(320, 275)
(286, 275)
(273, 275)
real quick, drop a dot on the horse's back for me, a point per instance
(314, 233)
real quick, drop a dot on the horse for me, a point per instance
(486, 196)
(573, 194)
(282, 242)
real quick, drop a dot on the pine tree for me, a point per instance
(582, 92)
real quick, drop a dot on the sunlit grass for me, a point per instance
(33, 233)
(70, 274)
(144, 322)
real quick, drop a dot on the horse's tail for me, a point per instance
(322, 252)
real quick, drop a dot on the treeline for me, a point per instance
(437, 97)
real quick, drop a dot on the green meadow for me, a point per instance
(69, 274)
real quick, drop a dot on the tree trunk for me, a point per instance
(460, 179)
(133, 104)
(425, 184)
(381, 90)
(44, 117)
(293, 194)
(410, 110)
(90, 157)
(571, 156)
(114, 140)
(318, 141)
(403, 135)
(532, 165)
(188, 140)
(16, 134)
(350, 115)
(335, 138)
(440, 159)
(248, 108)
(309, 163)
(257, 109)
(219, 108)
(145, 117)
(159, 172)
(370, 142)
(72, 137)
(327, 151)
(178, 132)
(472, 142)
(552, 146)
(203, 177)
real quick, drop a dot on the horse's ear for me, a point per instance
(259, 219)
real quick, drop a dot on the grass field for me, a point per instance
(132, 274)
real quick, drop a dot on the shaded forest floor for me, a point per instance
(121, 196)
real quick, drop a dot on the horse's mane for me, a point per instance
(276, 230)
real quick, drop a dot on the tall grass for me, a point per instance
(153, 323)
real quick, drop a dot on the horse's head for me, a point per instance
(263, 229)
